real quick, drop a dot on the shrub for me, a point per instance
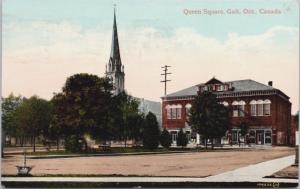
(165, 139)
(73, 144)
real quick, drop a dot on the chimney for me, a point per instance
(270, 83)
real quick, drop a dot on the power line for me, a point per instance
(165, 73)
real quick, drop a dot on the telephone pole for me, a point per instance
(165, 73)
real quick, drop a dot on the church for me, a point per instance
(115, 71)
(266, 109)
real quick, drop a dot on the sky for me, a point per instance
(44, 42)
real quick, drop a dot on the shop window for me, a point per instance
(252, 136)
(268, 139)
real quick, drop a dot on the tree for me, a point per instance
(9, 106)
(84, 107)
(130, 120)
(165, 139)
(244, 130)
(151, 132)
(182, 139)
(209, 118)
(33, 117)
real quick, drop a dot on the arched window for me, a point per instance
(267, 107)
(241, 108)
(235, 107)
(178, 111)
(173, 112)
(253, 107)
(168, 109)
(225, 103)
(187, 109)
(260, 109)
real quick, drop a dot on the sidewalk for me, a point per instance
(255, 173)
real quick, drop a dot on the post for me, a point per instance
(165, 70)
(24, 157)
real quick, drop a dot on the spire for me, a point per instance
(114, 68)
(115, 58)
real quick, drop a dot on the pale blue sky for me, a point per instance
(164, 15)
(46, 41)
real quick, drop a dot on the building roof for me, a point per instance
(115, 57)
(239, 86)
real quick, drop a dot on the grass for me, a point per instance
(134, 150)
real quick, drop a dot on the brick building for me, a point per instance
(294, 129)
(265, 109)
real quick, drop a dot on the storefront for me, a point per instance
(261, 136)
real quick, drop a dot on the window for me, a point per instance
(235, 108)
(188, 135)
(225, 103)
(218, 87)
(238, 108)
(173, 110)
(187, 109)
(260, 110)
(267, 107)
(268, 135)
(178, 111)
(168, 109)
(253, 107)
(225, 87)
(242, 108)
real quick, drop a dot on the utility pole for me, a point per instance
(165, 73)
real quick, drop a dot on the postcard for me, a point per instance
(139, 93)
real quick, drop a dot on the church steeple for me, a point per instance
(115, 50)
(115, 69)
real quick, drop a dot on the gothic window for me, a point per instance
(260, 110)
(253, 107)
(267, 107)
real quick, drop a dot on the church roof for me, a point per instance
(238, 86)
(115, 50)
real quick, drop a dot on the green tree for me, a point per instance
(165, 139)
(182, 139)
(128, 119)
(83, 107)
(9, 128)
(209, 118)
(9, 106)
(33, 117)
(151, 132)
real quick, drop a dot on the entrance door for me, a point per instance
(259, 137)
(174, 136)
